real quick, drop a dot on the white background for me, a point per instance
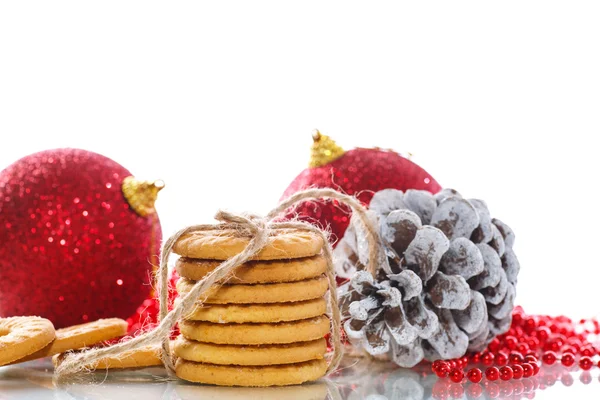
(500, 101)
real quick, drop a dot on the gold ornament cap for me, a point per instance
(324, 150)
(141, 195)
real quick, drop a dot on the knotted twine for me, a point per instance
(258, 229)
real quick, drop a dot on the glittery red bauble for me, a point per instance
(146, 315)
(71, 248)
(360, 172)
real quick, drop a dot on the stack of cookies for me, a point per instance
(265, 325)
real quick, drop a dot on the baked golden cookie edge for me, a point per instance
(253, 376)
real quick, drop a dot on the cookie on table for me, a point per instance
(80, 336)
(143, 357)
(22, 336)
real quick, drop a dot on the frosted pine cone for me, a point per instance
(446, 282)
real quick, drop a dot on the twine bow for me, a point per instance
(258, 229)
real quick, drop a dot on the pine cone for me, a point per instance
(445, 283)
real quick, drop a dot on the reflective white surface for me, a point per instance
(359, 379)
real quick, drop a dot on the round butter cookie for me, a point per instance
(260, 293)
(80, 336)
(223, 354)
(240, 334)
(223, 244)
(256, 271)
(274, 375)
(147, 356)
(22, 336)
(273, 312)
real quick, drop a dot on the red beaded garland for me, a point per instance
(518, 352)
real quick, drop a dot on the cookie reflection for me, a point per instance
(308, 391)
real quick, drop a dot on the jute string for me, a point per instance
(258, 229)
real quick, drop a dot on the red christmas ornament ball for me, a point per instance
(146, 315)
(359, 172)
(72, 249)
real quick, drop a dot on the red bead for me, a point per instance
(517, 318)
(494, 345)
(442, 372)
(501, 359)
(527, 370)
(511, 342)
(530, 359)
(437, 364)
(543, 333)
(536, 368)
(474, 375)
(587, 351)
(456, 375)
(549, 357)
(533, 342)
(515, 358)
(567, 359)
(553, 345)
(585, 363)
(506, 373)
(476, 358)
(523, 348)
(517, 371)
(487, 359)
(530, 324)
(492, 373)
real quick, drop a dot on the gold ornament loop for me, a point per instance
(141, 195)
(324, 150)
